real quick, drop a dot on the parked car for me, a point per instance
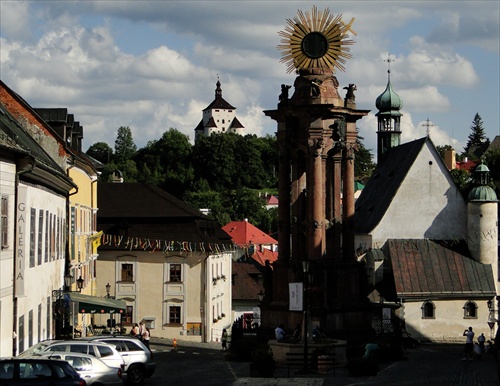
(37, 372)
(106, 352)
(93, 370)
(138, 358)
(37, 348)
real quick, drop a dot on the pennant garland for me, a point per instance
(163, 246)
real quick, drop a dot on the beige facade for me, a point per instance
(186, 296)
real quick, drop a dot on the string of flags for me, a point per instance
(153, 245)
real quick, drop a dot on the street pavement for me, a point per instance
(426, 365)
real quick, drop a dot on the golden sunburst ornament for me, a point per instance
(316, 40)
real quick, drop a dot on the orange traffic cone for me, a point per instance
(175, 344)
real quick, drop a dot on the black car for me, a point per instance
(38, 372)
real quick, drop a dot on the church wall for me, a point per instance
(449, 322)
(427, 204)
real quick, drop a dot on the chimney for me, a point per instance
(450, 159)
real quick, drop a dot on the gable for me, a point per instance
(411, 195)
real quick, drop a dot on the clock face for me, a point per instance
(315, 45)
(316, 40)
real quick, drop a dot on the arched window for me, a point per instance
(428, 310)
(470, 310)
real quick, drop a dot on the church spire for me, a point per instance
(389, 105)
(218, 90)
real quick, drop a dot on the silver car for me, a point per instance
(138, 358)
(93, 370)
(105, 352)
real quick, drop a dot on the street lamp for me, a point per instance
(67, 281)
(491, 318)
(261, 296)
(108, 290)
(305, 268)
(79, 284)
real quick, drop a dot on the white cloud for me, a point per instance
(430, 64)
(78, 55)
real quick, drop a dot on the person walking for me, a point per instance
(224, 339)
(135, 330)
(141, 330)
(469, 344)
(146, 336)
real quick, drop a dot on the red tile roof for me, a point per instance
(467, 165)
(244, 234)
(266, 255)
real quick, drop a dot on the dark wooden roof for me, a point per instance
(427, 268)
(245, 284)
(384, 183)
(236, 124)
(219, 103)
(146, 211)
(138, 200)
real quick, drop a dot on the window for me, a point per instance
(40, 236)
(32, 236)
(4, 222)
(174, 315)
(470, 310)
(129, 314)
(175, 272)
(46, 236)
(428, 310)
(30, 328)
(127, 272)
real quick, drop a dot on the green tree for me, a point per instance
(125, 147)
(492, 160)
(463, 180)
(214, 160)
(477, 137)
(363, 161)
(101, 151)
(167, 162)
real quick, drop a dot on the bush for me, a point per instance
(263, 363)
(244, 347)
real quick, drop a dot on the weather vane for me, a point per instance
(316, 40)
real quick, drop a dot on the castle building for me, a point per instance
(218, 117)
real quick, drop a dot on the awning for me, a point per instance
(95, 305)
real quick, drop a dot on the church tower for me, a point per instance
(218, 117)
(482, 221)
(389, 116)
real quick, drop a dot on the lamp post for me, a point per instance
(61, 306)
(305, 269)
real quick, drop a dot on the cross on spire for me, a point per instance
(428, 126)
(389, 60)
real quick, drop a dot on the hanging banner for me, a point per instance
(22, 240)
(296, 296)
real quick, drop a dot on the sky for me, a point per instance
(153, 65)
